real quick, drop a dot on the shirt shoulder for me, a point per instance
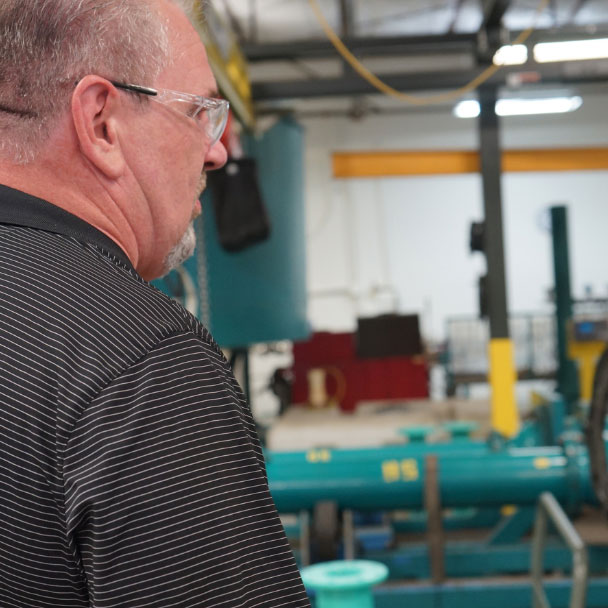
(168, 455)
(80, 315)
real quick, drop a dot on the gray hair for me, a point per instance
(47, 45)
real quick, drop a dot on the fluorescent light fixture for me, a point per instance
(511, 54)
(551, 105)
(469, 108)
(572, 50)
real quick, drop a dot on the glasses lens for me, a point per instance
(217, 117)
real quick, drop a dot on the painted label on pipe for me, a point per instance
(404, 470)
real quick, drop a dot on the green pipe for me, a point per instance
(400, 451)
(452, 519)
(391, 478)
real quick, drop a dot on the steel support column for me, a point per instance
(505, 418)
(491, 173)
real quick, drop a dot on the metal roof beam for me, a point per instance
(253, 21)
(323, 49)
(494, 11)
(401, 45)
(554, 12)
(576, 10)
(457, 6)
(347, 13)
(429, 81)
(234, 22)
(491, 32)
(347, 18)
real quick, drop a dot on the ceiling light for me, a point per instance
(573, 50)
(551, 105)
(511, 54)
(469, 108)
(518, 107)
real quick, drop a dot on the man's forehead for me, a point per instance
(189, 64)
(208, 81)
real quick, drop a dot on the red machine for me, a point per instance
(360, 366)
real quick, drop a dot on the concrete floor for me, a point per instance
(372, 424)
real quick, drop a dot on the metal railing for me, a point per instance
(549, 508)
(533, 337)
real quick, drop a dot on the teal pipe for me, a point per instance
(344, 584)
(393, 478)
(453, 519)
(399, 451)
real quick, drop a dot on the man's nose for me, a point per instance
(216, 157)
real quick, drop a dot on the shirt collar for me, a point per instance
(20, 209)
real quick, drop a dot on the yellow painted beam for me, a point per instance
(446, 162)
(383, 164)
(226, 60)
(557, 159)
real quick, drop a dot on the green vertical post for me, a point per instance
(567, 374)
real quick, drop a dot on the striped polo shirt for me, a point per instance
(130, 470)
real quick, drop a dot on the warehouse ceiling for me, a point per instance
(267, 21)
(416, 46)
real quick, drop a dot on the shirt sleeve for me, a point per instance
(166, 496)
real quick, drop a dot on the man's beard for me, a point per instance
(186, 245)
(202, 184)
(182, 251)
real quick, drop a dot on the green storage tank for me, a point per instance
(258, 294)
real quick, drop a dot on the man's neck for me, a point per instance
(87, 199)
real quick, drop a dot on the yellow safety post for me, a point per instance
(502, 377)
(586, 353)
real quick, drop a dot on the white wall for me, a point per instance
(376, 245)
(370, 240)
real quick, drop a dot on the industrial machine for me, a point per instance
(436, 512)
(446, 517)
(382, 360)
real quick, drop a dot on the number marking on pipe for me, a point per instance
(318, 455)
(409, 470)
(542, 462)
(404, 470)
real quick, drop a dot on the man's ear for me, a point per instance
(95, 107)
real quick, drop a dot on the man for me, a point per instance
(130, 472)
